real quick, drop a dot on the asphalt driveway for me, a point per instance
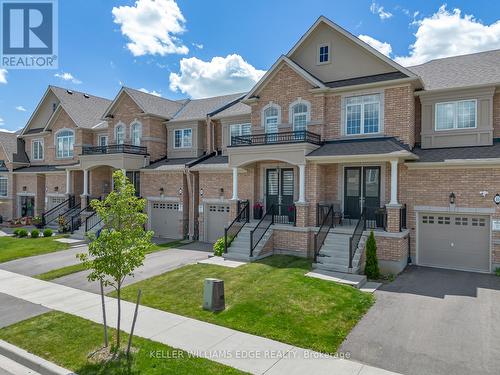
(432, 321)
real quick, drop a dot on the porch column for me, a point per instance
(85, 182)
(68, 182)
(394, 182)
(302, 183)
(235, 184)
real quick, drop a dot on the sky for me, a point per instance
(200, 48)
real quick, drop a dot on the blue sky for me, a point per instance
(218, 47)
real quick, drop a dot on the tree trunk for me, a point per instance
(119, 317)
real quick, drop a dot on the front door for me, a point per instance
(279, 190)
(27, 206)
(361, 189)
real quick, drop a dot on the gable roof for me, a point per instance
(198, 109)
(476, 69)
(353, 38)
(8, 144)
(270, 73)
(150, 104)
(235, 109)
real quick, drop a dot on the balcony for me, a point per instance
(301, 136)
(114, 149)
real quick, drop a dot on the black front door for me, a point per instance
(27, 206)
(279, 190)
(361, 189)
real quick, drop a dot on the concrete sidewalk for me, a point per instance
(246, 352)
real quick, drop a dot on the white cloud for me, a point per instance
(152, 27)
(3, 76)
(379, 9)
(2, 122)
(67, 77)
(221, 75)
(20, 108)
(448, 33)
(198, 45)
(6, 130)
(382, 47)
(155, 93)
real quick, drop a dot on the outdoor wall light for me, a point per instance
(162, 190)
(24, 188)
(201, 192)
(180, 191)
(56, 188)
(221, 191)
(452, 198)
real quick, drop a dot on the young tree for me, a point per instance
(122, 243)
(371, 268)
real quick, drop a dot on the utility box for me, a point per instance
(213, 295)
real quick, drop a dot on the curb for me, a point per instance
(31, 361)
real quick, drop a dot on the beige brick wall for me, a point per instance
(399, 113)
(391, 249)
(54, 180)
(292, 241)
(171, 182)
(100, 180)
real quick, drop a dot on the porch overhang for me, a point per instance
(294, 153)
(384, 157)
(116, 161)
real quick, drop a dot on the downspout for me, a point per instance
(209, 134)
(190, 200)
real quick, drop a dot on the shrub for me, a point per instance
(219, 245)
(497, 271)
(35, 233)
(371, 268)
(47, 233)
(22, 233)
(16, 232)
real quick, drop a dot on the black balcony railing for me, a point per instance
(114, 149)
(276, 138)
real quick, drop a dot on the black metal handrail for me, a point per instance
(402, 217)
(75, 220)
(64, 220)
(285, 214)
(115, 149)
(321, 211)
(261, 228)
(320, 236)
(298, 136)
(356, 236)
(52, 214)
(238, 223)
(92, 221)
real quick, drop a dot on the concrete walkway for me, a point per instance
(154, 264)
(246, 352)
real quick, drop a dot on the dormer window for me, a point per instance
(323, 53)
(456, 115)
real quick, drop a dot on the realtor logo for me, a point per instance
(29, 34)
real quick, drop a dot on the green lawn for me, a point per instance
(54, 274)
(270, 298)
(13, 248)
(67, 340)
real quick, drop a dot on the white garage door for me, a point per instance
(217, 220)
(54, 201)
(454, 241)
(166, 219)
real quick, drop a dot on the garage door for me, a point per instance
(454, 241)
(217, 219)
(54, 201)
(165, 219)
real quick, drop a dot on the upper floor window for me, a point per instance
(120, 134)
(37, 149)
(271, 119)
(103, 140)
(65, 141)
(362, 114)
(300, 116)
(3, 186)
(183, 138)
(456, 115)
(323, 53)
(136, 134)
(237, 130)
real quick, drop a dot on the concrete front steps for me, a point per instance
(334, 254)
(356, 281)
(240, 247)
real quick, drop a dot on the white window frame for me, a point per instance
(321, 45)
(182, 145)
(39, 142)
(122, 126)
(264, 117)
(362, 127)
(291, 114)
(100, 137)
(240, 127)
(133, 126)
(6, 179)
(455, 115)
(71, 152)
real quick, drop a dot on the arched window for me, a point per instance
(65, 141)
(271, 119)
(136, 133)
(299, 116)
(120, 134)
